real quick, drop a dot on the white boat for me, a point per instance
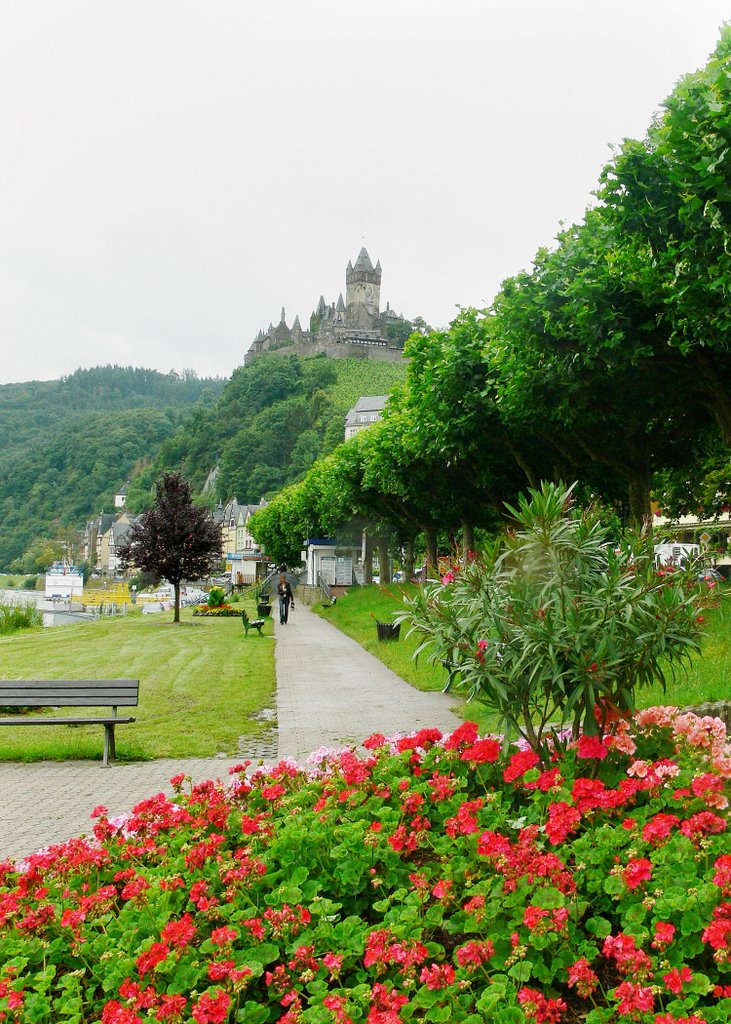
(64, 582)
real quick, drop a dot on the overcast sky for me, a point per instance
(172, 173)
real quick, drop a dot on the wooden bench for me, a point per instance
(251, 623)
(72, 693)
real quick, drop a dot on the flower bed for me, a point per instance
(220, 611)
(422, 879)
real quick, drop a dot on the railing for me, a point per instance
(324, 586)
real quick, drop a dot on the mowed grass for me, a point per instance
(706, 678)
(200, 683)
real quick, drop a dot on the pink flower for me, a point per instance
(481, 751)
(115, 1013)
(634, 998)
(582, 978)
(437, 976)
(637, 871)
(675, 979)
(179, 933)
(664, 934)
(212, 1007)
(591, 747)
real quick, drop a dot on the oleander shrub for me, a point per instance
(421, 878)
(555, 619)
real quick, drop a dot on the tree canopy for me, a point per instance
(174, 539)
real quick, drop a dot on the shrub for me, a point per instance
(14, 617)
(422, 879)
(216, 597)
(554, 620)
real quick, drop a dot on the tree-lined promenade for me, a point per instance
(607, 363)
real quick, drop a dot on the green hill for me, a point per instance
(275, 417)
(69, 444)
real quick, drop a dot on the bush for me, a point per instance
(554, 620)
(216, 597)
(14, 617)
(421, 880)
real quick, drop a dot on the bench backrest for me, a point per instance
(69, 692)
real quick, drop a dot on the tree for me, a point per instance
(174, 538)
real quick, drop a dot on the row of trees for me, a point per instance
(608, 362)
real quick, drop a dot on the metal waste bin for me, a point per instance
(388, 630)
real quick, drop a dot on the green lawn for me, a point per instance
(200, 683)
(708, 678)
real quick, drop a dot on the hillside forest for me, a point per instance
(71, 444)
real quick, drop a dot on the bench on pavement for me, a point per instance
(251, 623)
(72, 693)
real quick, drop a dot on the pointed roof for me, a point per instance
(320, 306)
(297, 323)
(364, 261)
(340, 308)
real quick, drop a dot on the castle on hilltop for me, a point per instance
(356, 328)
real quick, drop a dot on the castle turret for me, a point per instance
(340, 310)
(362, 291)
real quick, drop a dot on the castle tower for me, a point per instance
(362, 292)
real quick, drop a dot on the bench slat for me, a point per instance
(111, 720)
(69, 692)
(13, 698)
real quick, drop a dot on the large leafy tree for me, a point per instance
(585, 366)
(174, 539)
(669, 196)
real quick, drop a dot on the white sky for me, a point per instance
(172, 172)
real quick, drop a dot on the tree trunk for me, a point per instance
(717, 391)
(640, 513)
(384, 560)
(409, 560)
(468, 539)
(368, 558)
(430, 540)
(176, 614)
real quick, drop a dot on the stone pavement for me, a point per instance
(330, 692)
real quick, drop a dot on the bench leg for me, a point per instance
(110, 750)
(258, 629)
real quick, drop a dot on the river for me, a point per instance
(55, 613)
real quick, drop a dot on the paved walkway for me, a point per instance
(330, 692)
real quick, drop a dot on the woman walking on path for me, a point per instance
(286, 599)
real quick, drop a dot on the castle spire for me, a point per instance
(364, 261)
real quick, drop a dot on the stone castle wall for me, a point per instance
(384, 351)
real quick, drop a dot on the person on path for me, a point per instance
(286, 599)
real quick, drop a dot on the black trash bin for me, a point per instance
(388, 630)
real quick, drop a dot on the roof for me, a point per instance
(364, 406)
(364, 261)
